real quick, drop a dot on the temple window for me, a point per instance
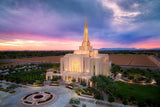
(83, 65)
(62, 65)
(94, 69)
(75, 66)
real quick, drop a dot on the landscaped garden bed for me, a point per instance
(38, 98)
(127, 93)
(9, 89)
(3, 89)
(74, 102)
(137, 76)
(27, 73)
(89, 92)
(38, 83)
(70, 86)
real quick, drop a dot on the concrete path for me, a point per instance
(62, 100)
(63, 96)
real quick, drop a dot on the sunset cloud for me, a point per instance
(42, 24)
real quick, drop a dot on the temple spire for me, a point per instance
(86, 38)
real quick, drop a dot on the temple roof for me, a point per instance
(86, 38)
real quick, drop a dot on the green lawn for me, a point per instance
(141, 93)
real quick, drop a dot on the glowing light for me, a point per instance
(69, 79)
(143, 83)
(75, 66)
(130, 81)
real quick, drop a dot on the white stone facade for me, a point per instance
(84, 63)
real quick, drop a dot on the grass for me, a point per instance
(141, 93)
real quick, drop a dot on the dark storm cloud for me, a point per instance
(50, 17)
(149, 9)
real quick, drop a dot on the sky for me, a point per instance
(59, 24)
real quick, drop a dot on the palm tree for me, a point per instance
(94, 80)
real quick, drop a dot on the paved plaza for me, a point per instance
(63, 96)
(62, 100)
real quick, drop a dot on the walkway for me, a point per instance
(62, 100)
(64, 95)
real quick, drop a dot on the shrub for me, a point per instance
(84, 105)
(141, 104)
(12, 87)
(149, 80)
(120, 96)
(148, 102)
(76, 89)
(38, 82)
(111, 99)
(135, 80)
(131, 77)
(141, 79)
(73, 80)
(83, 83)
(55, 78)
(74, 101)
(125, 102)
(115, 68)
(132, 98)
(71, 101)
(98, 96)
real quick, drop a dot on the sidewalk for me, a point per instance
(101, 102)
(11, 83)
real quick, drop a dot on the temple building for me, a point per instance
(84, 63)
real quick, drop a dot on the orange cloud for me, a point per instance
(152, 43)
(19, 44)
(39, 42)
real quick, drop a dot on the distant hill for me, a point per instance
(128, 49)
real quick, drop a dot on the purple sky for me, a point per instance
(42, 24)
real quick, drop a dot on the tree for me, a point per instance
(125, 102)
(84, 105)
(120, 96)
(148, 102)
(132, 98)
(93, 79)
(73, 80)
(115, 69)
(83, 83)
(131, 77)
(37, 82)
(141, 104)
(71, 101)
(98, 96)
(111, 99)
(100, 84)
(104, 83)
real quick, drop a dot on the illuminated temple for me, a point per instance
(83, 63)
